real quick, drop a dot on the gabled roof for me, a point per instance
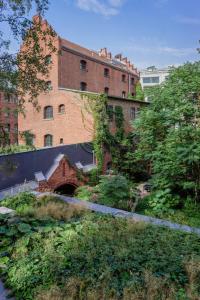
(20, 167)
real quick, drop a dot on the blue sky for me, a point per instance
(149, 32)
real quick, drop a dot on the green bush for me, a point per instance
(21, 202)
(114, 191)
(84, 192)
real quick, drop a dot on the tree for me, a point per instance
(139, 92)
(169, 135)
(25, 73)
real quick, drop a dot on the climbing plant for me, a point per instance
(97, 106)
(118, 144)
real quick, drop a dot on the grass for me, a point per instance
(89, 256)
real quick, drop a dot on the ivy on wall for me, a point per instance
(97, 105)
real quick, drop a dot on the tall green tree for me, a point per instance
(169, 135)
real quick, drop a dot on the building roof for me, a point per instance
(120, 63)
(21, 167)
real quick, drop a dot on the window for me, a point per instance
(106, 90)
(7, 128)
(49, 86)
(61, 109)
(48, 59)
(106, 72)
(132, 80)
(48, 112)
(48, 140)
(83, 65)
(61, 140)
(124, 78)
(83, 86)
(110, 112)
(150, 79)
(7, 113)
(133, 94)
(123, 94)
(132, 113)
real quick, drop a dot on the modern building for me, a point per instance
(8, 119)
(152, 76)
(74, 71)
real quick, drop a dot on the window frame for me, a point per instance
(123, 78)
(60, 111)
(48, 115)
(83, 65)
(82, 83)
(50, 142)
(123, 94)
(106, 72)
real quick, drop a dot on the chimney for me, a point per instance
(125, 60)
(103, 52)
(109, 55)
(118, 56)
(128, 64)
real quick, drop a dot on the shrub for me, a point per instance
(21, 202)
(84, 192)
(115, 191)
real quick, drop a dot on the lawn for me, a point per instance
(55, 251)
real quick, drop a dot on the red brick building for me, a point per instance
(8, 119)
(73, 71)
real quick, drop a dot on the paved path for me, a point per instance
(3, 292)
(124, 214)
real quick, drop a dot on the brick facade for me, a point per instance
(72, 124)
(64, 174)
(8, 119)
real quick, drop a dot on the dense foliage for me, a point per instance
(91, 256)
(9, 149)
(168, 133)
(111, 190)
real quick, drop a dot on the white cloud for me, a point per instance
(188, 20)
(105, 8)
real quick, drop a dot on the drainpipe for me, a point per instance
(129, 90)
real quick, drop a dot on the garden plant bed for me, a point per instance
(71, 253)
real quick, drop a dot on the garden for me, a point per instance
(53, 250)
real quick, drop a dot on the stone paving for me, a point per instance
(4, 292)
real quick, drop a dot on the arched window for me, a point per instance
(48, 112)
(106, 90)
(124, 78)
(83, 65)
(106, 72)
(132, 80)
(123, 94)
(61, 109)
(48, 140)
(83, 86)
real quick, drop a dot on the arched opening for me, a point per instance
(66, 189)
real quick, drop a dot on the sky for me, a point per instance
(148, 32)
